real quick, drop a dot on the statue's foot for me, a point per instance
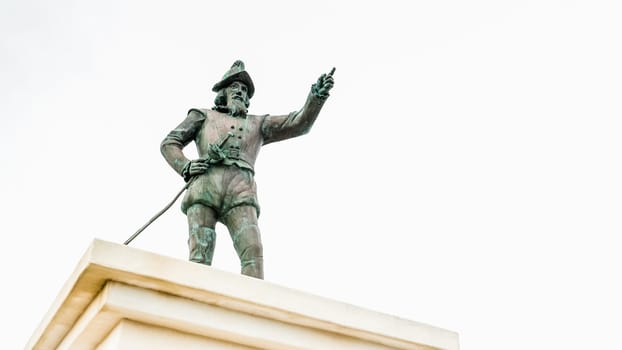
(253, 268)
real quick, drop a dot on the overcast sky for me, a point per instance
(465, 172)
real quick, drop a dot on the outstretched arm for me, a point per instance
(277, 128)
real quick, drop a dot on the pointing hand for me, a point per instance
(324, 83)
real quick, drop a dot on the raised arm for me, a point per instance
(173, 144)
(277, 128)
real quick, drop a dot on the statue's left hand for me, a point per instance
(324, 83)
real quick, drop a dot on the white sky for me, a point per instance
(465, 173)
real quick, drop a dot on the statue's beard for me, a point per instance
(237, 108)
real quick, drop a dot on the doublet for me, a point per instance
(233, 184)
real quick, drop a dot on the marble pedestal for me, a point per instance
(125, 298)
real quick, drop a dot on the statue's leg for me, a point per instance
(202, 236)
(242, 224)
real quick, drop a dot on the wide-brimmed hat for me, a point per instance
(236, 72)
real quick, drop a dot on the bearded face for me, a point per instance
(237, 99)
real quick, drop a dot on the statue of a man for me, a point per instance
(228, 140)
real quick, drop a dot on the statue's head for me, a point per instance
(235, 90)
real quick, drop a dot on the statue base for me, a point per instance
(126, 298)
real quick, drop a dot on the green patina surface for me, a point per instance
(220, 183)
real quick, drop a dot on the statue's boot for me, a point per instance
(247, 243)
(201, 244)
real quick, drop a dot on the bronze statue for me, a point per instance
(221, 187)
